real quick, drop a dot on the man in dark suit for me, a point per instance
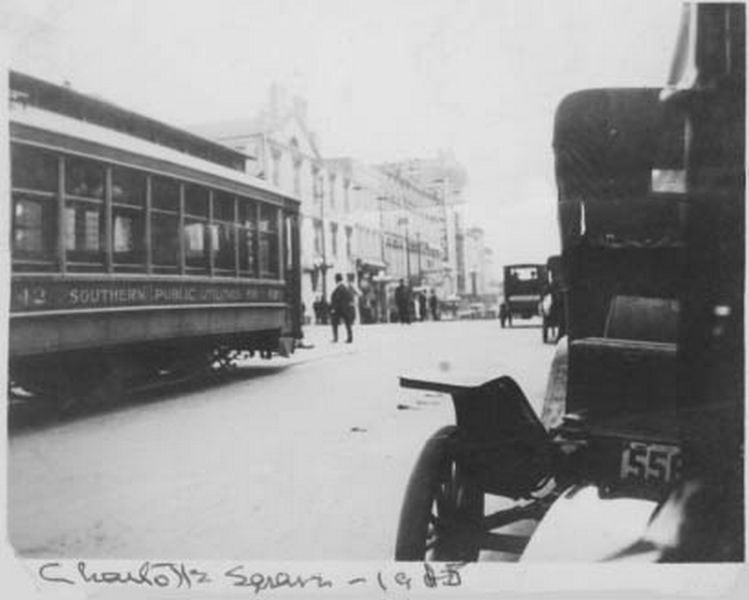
(403, 301)
(341, 308)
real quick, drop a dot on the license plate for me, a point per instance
(651, 464)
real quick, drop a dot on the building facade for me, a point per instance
(284, 151)
(445, 179)
(377, 224)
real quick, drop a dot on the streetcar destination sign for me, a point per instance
(42, 295)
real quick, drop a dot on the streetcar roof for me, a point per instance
(66, 101)
(64, 124)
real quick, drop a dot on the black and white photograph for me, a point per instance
(372, 299)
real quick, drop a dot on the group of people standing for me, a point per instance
(406, 307)
(343, 299)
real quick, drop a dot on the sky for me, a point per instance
(384, 80)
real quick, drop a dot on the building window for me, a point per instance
(334, 238)
(298, 178)
(276, 158)
(331, 185)
(318, 237)
(349, 233)
(318, 190)
(297, 163)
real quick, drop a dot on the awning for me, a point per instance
(374, 265)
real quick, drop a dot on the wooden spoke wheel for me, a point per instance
(442, 510)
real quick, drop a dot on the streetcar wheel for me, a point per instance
(441, 515)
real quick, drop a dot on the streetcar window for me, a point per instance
(34, 227)
(128, 187)
(84, 178)
(268, 241)
(34, 233)
(223, 207)
(165, 223)
(165, 194)
(127, 235)
(247, 262)
(33, 169)
(128, 216)
(222, 243)
(222, 231)
(83, 231)
(164, 239)
(195, 233)
(246, 233)
(196, 201)
(83, 216)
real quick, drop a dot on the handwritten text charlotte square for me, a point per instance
(179, 575)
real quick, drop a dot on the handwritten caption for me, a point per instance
(180, 575)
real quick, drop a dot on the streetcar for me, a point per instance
(638, 452)
(137, 249)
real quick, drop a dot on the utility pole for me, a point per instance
(418, 255)
(382, 292)
(324, 267)
(408, 250)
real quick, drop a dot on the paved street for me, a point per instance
(305, 458)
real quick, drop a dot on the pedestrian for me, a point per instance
(342, 309)
(422, 306)
(324, 311)
(403, 302)
(317, 309)
(505, 316)
(433, 306)
(356, 294)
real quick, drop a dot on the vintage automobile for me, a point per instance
(638, 452)
(524, 286)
